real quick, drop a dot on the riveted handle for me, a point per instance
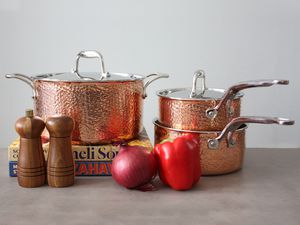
(238, 121)
(152, 77)
(233, 90)
(90, 54)
(28, 80)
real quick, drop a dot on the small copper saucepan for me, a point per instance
(105, 106)
(202, 108)
(221, 151)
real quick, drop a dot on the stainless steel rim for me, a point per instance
(163, 93)
(157, 123)
(51, 77)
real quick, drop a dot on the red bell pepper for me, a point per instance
(179, 161)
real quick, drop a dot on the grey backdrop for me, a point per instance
(231, 40)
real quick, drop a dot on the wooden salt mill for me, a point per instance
(60, 166)
(31, 161)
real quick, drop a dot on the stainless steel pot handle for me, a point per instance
(152, 77)
(233, 90)
(238, 121)
(199, 74)
(24, 78)
(89, 54)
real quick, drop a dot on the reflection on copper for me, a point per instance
(213, 161)
(103, 112)
(191, 114)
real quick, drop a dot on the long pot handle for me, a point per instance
(90, 54)
(152, 77)
(233, 90)
(28, 80)
(238, 121)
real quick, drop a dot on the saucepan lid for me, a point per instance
(196, 92)
(201, 92)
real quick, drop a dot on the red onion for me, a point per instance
(134, 166)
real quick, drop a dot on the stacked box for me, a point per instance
(90, 160)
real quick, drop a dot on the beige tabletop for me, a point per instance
(266, 191)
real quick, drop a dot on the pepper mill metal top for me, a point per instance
(29, 113)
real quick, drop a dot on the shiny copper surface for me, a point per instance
(102, 111)
(213, 161)
(191, 114)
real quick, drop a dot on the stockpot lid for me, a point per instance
(195, 93)
(76, 76)
(88, 77)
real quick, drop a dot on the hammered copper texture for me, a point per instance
(191, 114)
(102, 111)
(213, 161)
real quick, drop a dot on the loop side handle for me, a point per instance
(153, 77)
(238, 121)
(199, 74)
(28, 80)
(233, 90)
(90, 54)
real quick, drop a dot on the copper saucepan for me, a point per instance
(202, 108)
(105, 106)
(221, 151)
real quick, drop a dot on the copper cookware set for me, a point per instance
(214, 115)
(107, 107)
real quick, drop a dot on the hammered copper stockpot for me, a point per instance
(202, 108)
(105, 108)
(221, 151)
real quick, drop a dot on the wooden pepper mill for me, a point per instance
(31, 161)
(60, 166)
